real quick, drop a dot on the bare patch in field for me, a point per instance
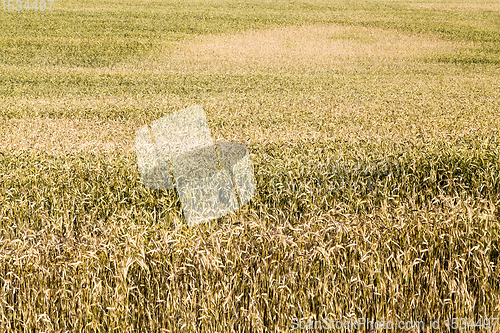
(458, 6)
(61, 136)
(313, 47)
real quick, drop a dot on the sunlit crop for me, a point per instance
(373, 129)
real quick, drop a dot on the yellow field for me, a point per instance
(373, 129)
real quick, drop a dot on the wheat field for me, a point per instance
(374, 132)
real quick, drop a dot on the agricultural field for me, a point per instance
(374, 133)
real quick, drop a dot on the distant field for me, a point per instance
(374, 130)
